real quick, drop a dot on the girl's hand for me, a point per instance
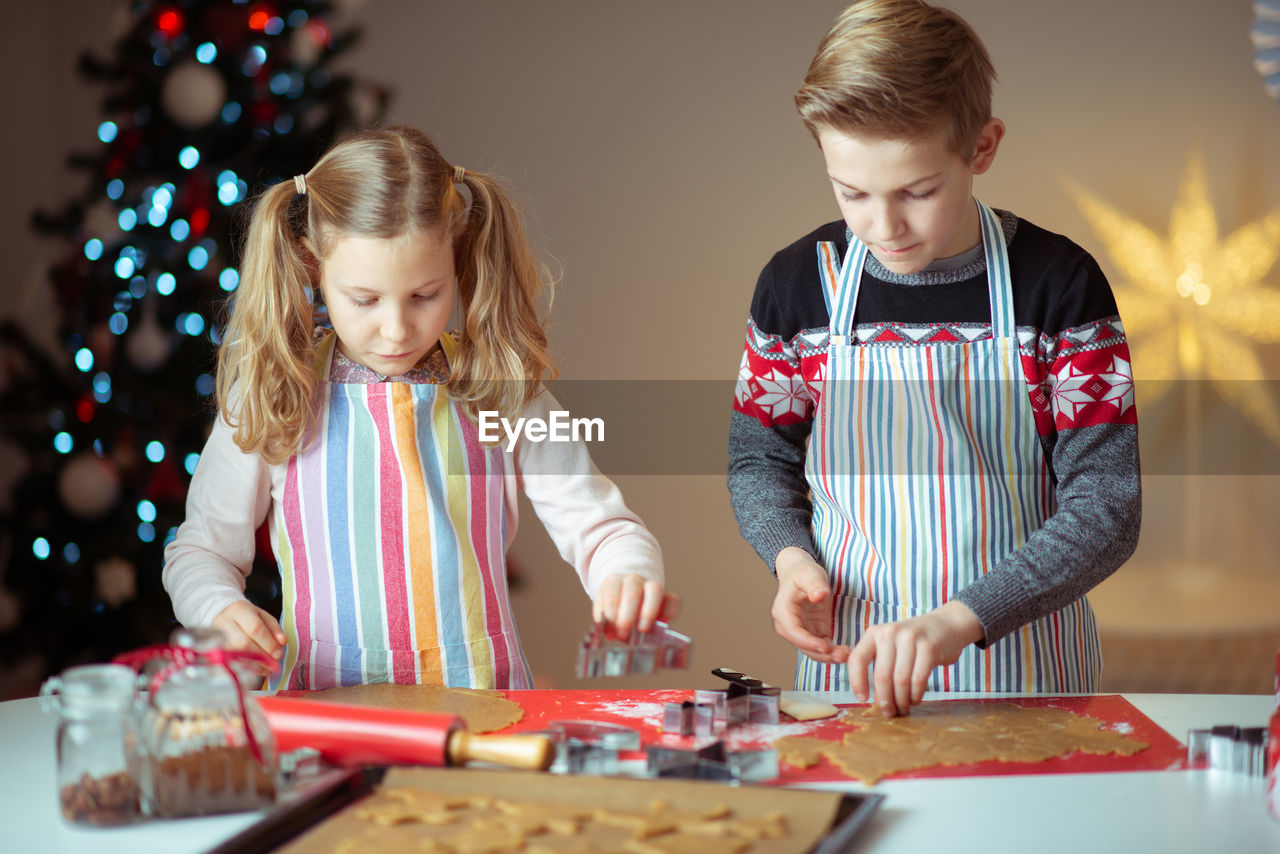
(628, 601)
(904, 654)
(802, 609)
(248, 628)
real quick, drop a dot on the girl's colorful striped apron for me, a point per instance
(926, 471)
(391, 542)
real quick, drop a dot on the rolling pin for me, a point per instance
(346, 734)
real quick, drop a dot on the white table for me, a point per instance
(1129, 812)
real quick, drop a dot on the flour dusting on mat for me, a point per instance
(650, 713)
(752, 735)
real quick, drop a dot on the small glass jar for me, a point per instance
(197, 758)
(98, 765)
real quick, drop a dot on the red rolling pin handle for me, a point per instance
(353, 735)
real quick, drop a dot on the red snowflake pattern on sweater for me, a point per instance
(1078, 378)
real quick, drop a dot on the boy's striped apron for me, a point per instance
(391, 542)
(926, 471)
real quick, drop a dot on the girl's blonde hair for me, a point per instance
(899, 69)
(380, 183)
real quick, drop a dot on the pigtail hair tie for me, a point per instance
(300, 184)
(459, 174)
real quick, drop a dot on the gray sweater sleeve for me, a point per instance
(767, 485)
(1094, 531)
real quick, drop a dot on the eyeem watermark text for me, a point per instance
(559, 427)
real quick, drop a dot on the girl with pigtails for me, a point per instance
(348, 422)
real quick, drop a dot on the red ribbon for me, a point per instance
(183, 656)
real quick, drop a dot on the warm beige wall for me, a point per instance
(657, 150)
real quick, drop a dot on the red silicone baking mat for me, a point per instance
(642, 710)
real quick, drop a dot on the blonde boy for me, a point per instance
(933, 443)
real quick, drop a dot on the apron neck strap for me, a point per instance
(841, 282)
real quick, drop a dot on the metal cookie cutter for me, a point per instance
(694, 717)
(590, 747)
(712, 762)
(748, 699)
(643, 653)
(1229, 748)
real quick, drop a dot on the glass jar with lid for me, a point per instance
(98, 765)
(205, 744)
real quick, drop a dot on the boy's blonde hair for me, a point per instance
(899, 69)
(380, 183)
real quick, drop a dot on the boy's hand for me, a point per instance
(904, 654)
(248, 628)
(627, 601)
(802, 609)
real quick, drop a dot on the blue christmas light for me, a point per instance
(115, 188)
(206, 53)
(125, 267)
(84, 359)
(63, 443)
(165, 284)
(93, 249)
(231, 112)
(71, 553)
(229, 279)
(155, 451)
(256, 57)
(230, 188)
(283, 124)
(198, 257)
(204, 386)
(188, 157)
(297, 18)
(107, 131)
(190, 462)
(179, 230)
(274, 26)
(146, 511)
(280, 83)
(156, 216)
(230, 193)
(171, 535)
(147, 532)
(161, 57)
(40, 548)
(102, 382)
(118, 323)
(128, 219)
(137, 287)
(189, 323)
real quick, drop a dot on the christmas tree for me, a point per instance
(206, 103)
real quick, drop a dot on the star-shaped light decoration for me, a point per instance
(1194, 304)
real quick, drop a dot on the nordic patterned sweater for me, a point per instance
(1076, 362)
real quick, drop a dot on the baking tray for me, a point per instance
(316, 801)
